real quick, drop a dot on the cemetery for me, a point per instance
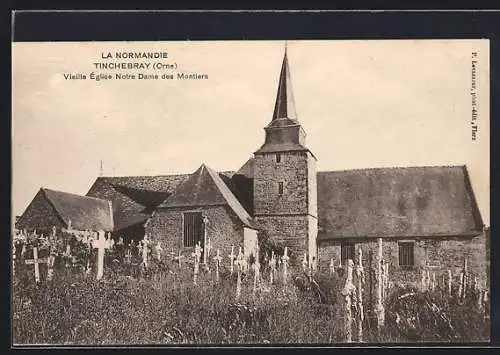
(275, 252)
(74, 287)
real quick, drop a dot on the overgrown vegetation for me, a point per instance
(164, 307)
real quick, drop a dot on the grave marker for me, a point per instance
(231, 258)
(101, 244)
(217, 259)
(145, 251)
(239, 264)
(379, 307)
(272, 269)
(285, 259)
(348, 292)
(332, 267)
(158, 250)
(304, 262)
(179, 259)
(197, 256)
(256, 275)
(36, 261)
(360, 272)
(13, 260)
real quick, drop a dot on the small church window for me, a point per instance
(280, 188)
(193, 228)
(347, 251)
(278, 158)
(406, 254)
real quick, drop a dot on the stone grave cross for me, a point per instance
(232, 256)
(304, 263)
(101, 244)
(332, 267)
(217, 259)
(36, 261)
(158, 250)
(285, 259)
(272, 267)
(145, 251)
(206, 255)
(197, 256)
(239, 266)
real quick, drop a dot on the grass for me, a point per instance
(165, 307)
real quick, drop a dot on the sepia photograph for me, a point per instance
(250, 192)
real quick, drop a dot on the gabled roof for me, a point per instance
(134, 197)
(158, 183)
(397, 202)
(247, 169)
(206, 188)
(85, 213)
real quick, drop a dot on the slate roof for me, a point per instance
(281, 147)
(285, 104)
(134, 197)
(85, 213)
(205, 187)
(247, 169)
(397, 202)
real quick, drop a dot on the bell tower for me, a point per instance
(285, 190)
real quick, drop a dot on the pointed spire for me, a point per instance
(285, 105)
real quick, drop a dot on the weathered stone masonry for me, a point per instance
(435, 254)
(223, 229)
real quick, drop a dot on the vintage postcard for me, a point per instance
(250, 192)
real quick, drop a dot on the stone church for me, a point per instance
(427, 216)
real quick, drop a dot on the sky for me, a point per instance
(363, 104)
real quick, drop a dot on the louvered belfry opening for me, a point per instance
(193, 229)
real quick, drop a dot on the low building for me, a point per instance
(50, 208)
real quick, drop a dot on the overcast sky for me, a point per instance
(363, 104)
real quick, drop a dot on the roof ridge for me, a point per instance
(141, 176)
(395, 168)
(73, 194)
(227, 193)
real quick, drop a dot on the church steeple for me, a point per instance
(285, 104)
(284, 132)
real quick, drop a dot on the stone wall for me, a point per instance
(438, 255)
(292, 171)
(224, 229)
(289, 231)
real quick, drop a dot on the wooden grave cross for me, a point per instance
(217, 259)
(36, 261)
(179, 258)
(101, 244)
(332, 267)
